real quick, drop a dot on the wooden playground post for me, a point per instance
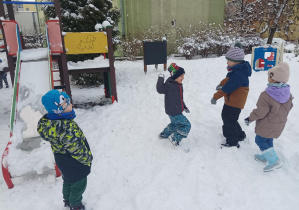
(63, 55)
(111, 63)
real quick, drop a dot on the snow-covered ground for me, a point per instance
(134, 170)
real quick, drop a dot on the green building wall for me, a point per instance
(142, 14)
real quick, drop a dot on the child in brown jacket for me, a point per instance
(273, 107)
(234, 88)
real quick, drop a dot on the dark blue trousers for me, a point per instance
(231, 129)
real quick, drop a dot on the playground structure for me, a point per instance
(264, 58)
(155, 53)
(32, 73)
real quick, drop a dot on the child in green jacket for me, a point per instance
(69, 145)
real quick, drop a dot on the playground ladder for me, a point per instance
(54, 71)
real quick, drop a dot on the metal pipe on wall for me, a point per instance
(122, 17)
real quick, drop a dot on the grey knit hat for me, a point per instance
(235, 53)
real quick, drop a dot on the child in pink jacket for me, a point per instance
(273, 107)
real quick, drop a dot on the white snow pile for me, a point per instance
(94, 63)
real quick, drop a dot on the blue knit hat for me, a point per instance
(54, 100)
(235, 53)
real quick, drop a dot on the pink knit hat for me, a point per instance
(280, 72)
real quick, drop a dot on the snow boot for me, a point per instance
(271, 157)
(79, 207)
(260, 158)
(242, 137)
(173, 140)
(162, 136)
(228, 145)
(66, 203)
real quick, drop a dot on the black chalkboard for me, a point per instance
(155, 52)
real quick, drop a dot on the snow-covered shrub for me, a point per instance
(189, 48)
(131, 47)
(34, 41)
(296, 50)
(206, 39)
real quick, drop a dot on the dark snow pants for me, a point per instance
(231, 129)
(73, 192)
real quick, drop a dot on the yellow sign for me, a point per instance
(86, 42)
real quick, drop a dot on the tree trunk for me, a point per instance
(271, 34)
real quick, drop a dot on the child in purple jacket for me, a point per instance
(273, 107)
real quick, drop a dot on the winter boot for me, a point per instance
(79, 207)
(271, 157)
(228, 145)
(66, 203)
(162, 136)
(174, 141)
(7, 86)
(242, 137)
(260, 158)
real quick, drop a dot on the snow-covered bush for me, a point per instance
(131, 47)
(34, 41)
(296, 50)
(189, 48)
(206, 39)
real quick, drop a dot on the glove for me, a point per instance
(187, 110)
(218, 87)
(247, 121)
(213, 101)
(161, 75)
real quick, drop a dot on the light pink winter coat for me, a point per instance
(270, 116)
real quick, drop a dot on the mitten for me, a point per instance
(161, 75)
(247, 121)
(213, 101)
(218, 87)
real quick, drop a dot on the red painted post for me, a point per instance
(5, 172)
(58, 173)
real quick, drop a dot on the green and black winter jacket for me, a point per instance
(69, 145)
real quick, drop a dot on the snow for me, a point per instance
(289, 47)
(95, 63)
(106, 23)
(34, 82)
(98, 26)
(133, 169)
(34, 54)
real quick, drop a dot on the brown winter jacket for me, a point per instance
(270, 115)
(235, 86)
(236, 98)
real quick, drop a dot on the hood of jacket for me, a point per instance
(243, 67)
(279, 94)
